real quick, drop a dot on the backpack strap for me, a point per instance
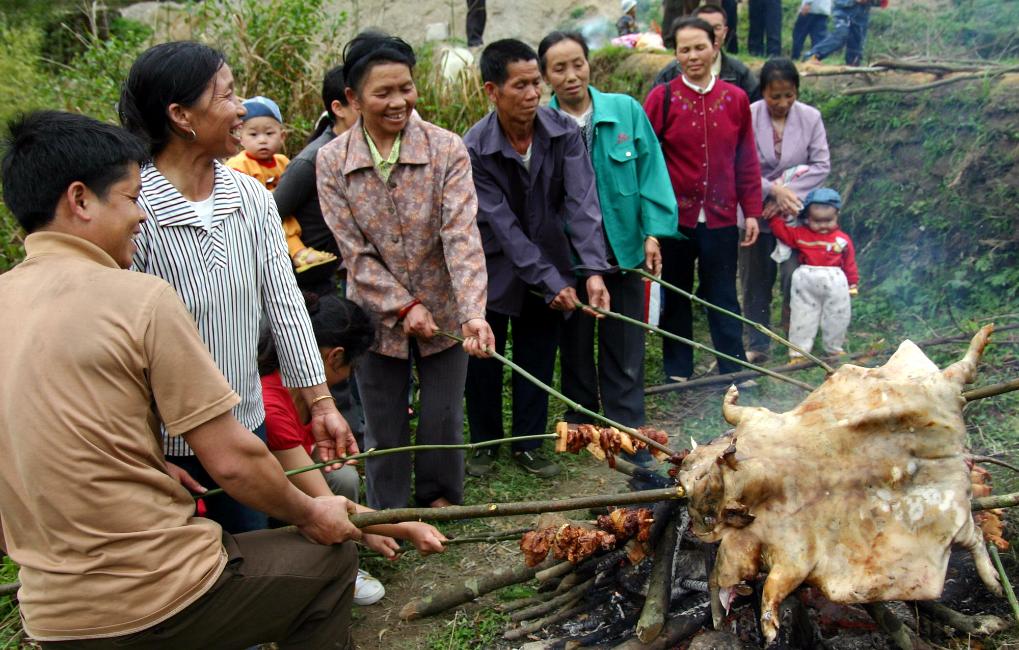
(666, 105)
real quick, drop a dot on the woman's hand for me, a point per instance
(788, 202)
(384, 546)
(479, 340)
(426, 538)
(419, 323)
(752, 230)
(332, 434)
(652, 256)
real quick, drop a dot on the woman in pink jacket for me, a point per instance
(398, 194)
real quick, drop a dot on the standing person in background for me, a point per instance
(792, 147)
(627, 23)
(262, 138)
(725, 67)
(541, 227)
(214, 234)
(476, 16)
(637, 206)
(708, 142)
(764, 37)
(297, 192)
(849, 30)
(397, 193)
(731, 41)
(811, 21)
(673, 10)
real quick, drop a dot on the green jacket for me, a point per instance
(633, 183)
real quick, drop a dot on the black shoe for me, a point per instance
(535, 464)
(480, 462)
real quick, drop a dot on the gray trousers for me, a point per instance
(277, 586)
(820, 297)
(618, 376)
(383, 383)
(757, 272)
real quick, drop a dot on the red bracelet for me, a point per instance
(406, 309)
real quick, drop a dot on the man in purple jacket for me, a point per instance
(541, 228)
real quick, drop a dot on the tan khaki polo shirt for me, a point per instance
(107, 542)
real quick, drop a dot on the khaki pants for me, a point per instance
(276, 586)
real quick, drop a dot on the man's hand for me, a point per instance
(419, 323)
(327, 521)
(479, 340)
(181, 476)
(333, 437)
(597, 295)
(384, 546)
(752, 230)
(565, 300)
(652, 256)
(426, 538)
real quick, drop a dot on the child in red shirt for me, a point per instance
(827, 275)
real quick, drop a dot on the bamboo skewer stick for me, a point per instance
(669, 335)
(374, 453)
(991, 390)
(455, 513)
(490, 538)
(760, 328)
(1005, 583)
(573, 405)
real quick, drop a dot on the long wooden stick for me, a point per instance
(743, 319)
(490, 538)
(1005, 582)
(659, 586)
(991, 390)
(374, 453)
(454, 513)
(967, 76)
(995, 501)
(675, 337)
(573, 405)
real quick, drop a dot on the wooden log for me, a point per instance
(468, 590)
(991, 390)
(903, 637)
(995, 501)
(977, 625)
(659, 593)
(561, 600)
(574, 608)
(554, 571)
(676, 629)
(966, 76)
(454, 513)
(521, 603)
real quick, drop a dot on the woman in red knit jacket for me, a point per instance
(708, 141)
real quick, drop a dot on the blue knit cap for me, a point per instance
(262, 107)
(823, 196)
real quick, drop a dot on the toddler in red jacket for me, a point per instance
(827, 275)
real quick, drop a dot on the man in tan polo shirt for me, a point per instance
(110, 551)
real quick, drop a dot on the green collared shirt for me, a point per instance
(383, 165)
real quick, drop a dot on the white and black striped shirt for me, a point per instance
(227, 275)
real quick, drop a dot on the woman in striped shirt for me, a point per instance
(214, 234)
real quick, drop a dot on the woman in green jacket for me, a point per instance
(638, 207)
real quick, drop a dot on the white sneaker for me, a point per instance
(367, 589)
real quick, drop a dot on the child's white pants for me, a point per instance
(820, 296)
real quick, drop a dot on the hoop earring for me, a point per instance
(194, 136)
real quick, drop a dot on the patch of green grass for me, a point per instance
(10, 621)
(468, 631)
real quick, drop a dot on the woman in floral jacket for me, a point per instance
(398, 194)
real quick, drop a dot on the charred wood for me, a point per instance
(656, 605)
(560, 600)
(903, 637)
(978, 625)
(677, 628)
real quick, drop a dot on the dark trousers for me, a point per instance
(849, 30)
(757, 273)
(618, 377)
(476, 16)
(277, 586)
(535, 340)
(672, 10)
(231, 514)
(813, 25)
(383, 383)
(713, 251)
(732, 21)
(765, 25)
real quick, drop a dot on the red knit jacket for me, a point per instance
(816, 249)
(709, 148)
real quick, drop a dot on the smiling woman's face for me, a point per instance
(216, 116)
(386, 98)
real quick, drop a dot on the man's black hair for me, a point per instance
(497, 56)
(369, 49)
(708, 8)
(558, 37)
(46, 151)
(779, 69)
(169, 73)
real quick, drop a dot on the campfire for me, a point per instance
(830, 525)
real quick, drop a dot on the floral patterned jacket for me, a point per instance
(415, 237)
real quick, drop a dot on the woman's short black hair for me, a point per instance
(497, 56)
(695, 23)
(779, 69)
(46, 151)
(169, 73)
(557, 37)
(336, 322)
(369, 49)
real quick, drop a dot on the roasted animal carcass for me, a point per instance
(860, 490)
